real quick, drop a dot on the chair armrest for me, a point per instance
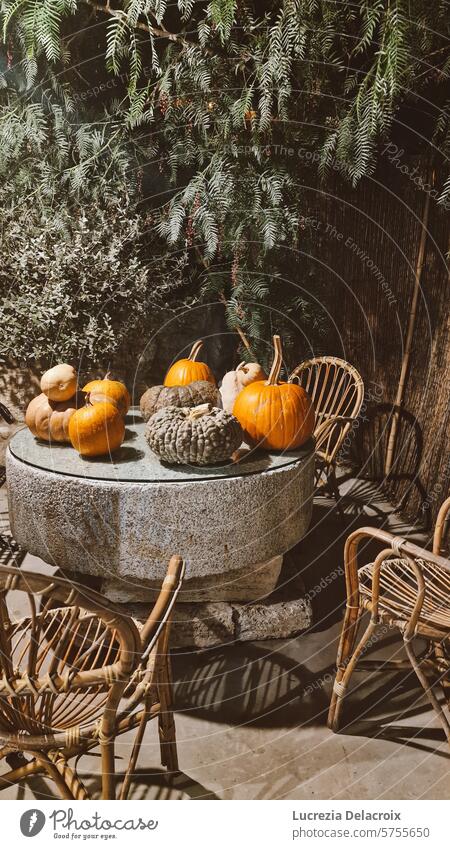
(393, 545)
(416, 568)
(333, 420)
(440, 526)
(6, 414)
(400, 546)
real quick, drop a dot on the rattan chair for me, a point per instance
(337, 390)
(6, 414)
(9, 549)
(75, 674)
(408, 588)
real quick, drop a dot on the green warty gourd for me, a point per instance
(193, 436)
(191, 395)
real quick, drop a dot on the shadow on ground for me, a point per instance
(287, 683)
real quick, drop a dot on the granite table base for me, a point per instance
(284, 614)
(281, 613)
(257, 580)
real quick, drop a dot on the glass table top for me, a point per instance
(135, 462)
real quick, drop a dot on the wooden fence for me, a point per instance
(367, 246)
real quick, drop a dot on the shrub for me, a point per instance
(82, 284)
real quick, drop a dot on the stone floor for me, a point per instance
(251, 716)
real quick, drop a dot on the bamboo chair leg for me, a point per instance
(166, 722)
(108, 768)
(136, 749)
(347, 641)
(343, 675)
(429, 692)
(52, 771)
(107, 740)
(442, 661)
(69, 776)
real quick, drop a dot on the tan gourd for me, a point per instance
(234, 381)
(49, 420)
(59, 383)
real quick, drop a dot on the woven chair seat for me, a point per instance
(53, 712)
(398, 593)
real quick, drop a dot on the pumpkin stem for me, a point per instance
(107, 375)
(195, 349)
(241, 365)
(274, 375)
(201, 410)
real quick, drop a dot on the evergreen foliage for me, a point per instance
(204, 95)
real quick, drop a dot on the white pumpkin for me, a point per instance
(234, 381)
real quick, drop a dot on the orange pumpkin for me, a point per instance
(276, 415)
(97, 429)
(49, 420)
(113, 391)
(187, 370)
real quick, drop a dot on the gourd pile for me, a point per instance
(92, 420)
(189, 419)
(185, 422)
(48, 416)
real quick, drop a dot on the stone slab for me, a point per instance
(279, 620)
(127, 530)
(201, 626)
(282, 615)
(208, 625)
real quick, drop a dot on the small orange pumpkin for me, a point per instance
(188, 369)
(97, 429)
(276, 415)
(113, 391)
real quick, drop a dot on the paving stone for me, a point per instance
(272, 621)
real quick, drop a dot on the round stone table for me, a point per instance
(120, 520)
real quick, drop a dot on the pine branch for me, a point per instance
(156, 31)
(238, 330)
